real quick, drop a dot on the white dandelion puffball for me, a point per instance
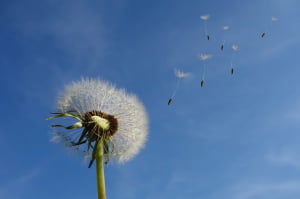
(180, 74)
(121, 116)
(205, 56)
(235, 47)
(204, 17)
(274, 18)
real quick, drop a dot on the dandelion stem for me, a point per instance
(100, 170)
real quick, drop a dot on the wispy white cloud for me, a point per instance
(293, 113)
(177, 185)
(271, 190)
(28, 177)
(15, 188)
(76, 29)
(279, 47)
(177, 179)
(284, 115)
(284, 157)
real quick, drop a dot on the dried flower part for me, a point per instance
(100, 123)
(101, 112)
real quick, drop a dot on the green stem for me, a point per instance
(100, 170)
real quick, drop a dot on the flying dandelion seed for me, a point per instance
(204, 57)
(269, 27)
(225, 27)
(205, 18)
(202, 83)
(234, 48)
(180, 75)
(102, 122)
(223, 41)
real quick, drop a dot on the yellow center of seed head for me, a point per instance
(101, 122)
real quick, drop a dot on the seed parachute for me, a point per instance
(223, 41)
(234, 48)
(205, 18)
(180, 75)
(272, 20)
(204, 57)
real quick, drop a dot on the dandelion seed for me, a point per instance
(273, 19)
(205, 18)
(222, 47)
(202, 83)
(234, 48)
(223, 41)
(204, 57)
(225, 27)
(180, 75)
(101, 121)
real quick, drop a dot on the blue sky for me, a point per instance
(236, 138)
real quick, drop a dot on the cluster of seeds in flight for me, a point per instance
(204, 57)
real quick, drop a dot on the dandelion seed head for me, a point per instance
(93, 96)
(204, 17)
(205, 56)
(180, 74)
(274, 18)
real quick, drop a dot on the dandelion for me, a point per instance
(223, 41)
(180, 75)
(204, 57)
(234, 48)
(103, 122)
(205, 18)
(273, 19)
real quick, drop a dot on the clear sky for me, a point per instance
(235, 138)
